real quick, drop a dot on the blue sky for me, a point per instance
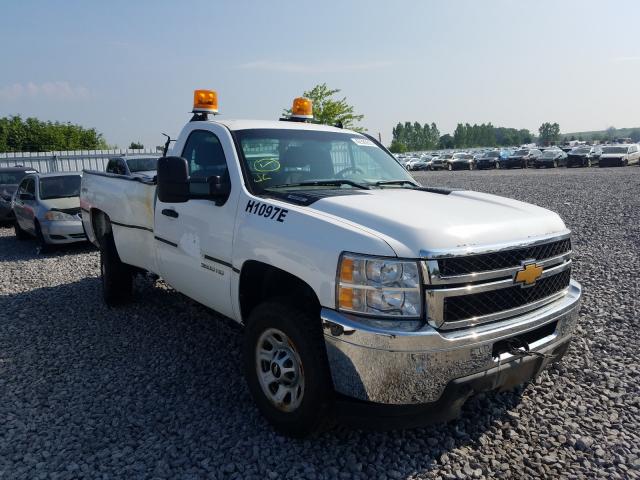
(129, 68)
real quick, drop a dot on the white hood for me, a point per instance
(411, 221)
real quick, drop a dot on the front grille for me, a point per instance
(494, 301)
(499, 260)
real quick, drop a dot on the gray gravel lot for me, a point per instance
(154, 389)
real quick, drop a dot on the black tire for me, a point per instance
(20, 233)
(588, 162)
(304, 332)
(42, 245)
(555, 164)
(117, 277)
(450, 167)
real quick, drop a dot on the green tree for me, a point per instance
(549, 133)
(397, 147)
(136, 145)
(329, 110)
(446, 141)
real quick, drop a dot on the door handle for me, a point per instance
(170, 213)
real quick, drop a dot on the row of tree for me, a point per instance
(33, 135)
(413, 136)
(409, 136)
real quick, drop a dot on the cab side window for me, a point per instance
(204, 154)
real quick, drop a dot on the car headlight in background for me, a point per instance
(54, 216)
(378, 286)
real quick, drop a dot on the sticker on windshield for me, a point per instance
(363, 142)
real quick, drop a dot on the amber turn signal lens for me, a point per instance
(346, 270)
(346, 298)
(205, 101)
(302, 108)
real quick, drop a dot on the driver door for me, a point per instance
(194, 239)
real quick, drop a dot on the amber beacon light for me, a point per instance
(205, 101)
(302, 108)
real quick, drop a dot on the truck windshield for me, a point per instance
(60, 187)
(281, 158)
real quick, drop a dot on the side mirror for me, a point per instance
(173, 180)
(27, 196)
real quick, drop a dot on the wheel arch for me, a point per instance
(260, 282)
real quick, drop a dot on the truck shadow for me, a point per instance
(157, 385)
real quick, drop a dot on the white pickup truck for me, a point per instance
(361, 292)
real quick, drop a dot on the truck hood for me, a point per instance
(415, 221)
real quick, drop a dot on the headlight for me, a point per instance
(54, 216)
(378, 286)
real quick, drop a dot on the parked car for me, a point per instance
(436, 162)
(551, 158)
(421, 164)
(584, 156)
(133, 165)
(522, 158)
(47, 206)
(488, 160)
(619, 155)
(10, 177)
(349, 290)
(460, 161)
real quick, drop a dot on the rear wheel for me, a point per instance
(286, 367)
(20, 233)
(117, 277)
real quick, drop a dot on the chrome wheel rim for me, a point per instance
(279, 370)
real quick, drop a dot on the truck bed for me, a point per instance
(129, 202)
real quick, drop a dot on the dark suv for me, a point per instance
(9, 179)
(584, 156)
(523, 158)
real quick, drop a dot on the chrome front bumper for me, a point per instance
(402, 363)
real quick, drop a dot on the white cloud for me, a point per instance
(52, 90)
(291, 67)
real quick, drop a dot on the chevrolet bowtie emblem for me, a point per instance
(529, 274)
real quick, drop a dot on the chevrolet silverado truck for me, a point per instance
(361, 292)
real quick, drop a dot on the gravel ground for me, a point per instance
(155, 389)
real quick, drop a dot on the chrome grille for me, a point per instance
(479, 286)
(500, 260)
(486, 303)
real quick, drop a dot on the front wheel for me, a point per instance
(450, 167)
(43, 246)
(286, 367)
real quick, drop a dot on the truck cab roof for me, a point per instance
(234, 125)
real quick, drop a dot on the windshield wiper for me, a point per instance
(395, 182)
(320, 183)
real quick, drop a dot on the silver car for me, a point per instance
(47, 206)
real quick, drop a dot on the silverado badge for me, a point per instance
(529, 274)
